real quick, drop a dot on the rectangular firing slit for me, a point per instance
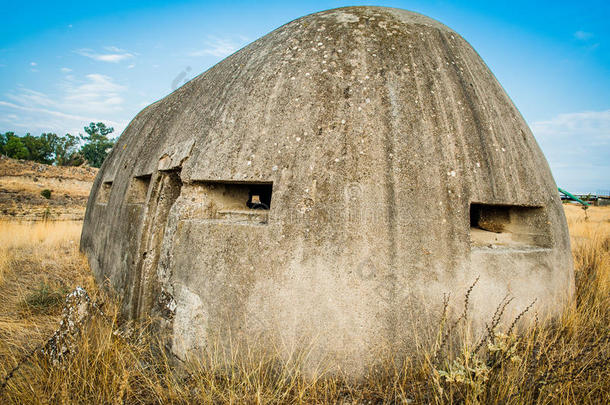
(138, 189)
(233, 201)
(103, 194)
(508, 226)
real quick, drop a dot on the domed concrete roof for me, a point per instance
(323, 187)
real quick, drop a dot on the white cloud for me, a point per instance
(131, 66)
(31, 97)
(97, 93)
(577, 146)
(53, 113)
(38, 120)
(589, 124)
(583, 35)
(93, 98)
(218, 47)
(65, 70)
(112, 54)
(33, 63)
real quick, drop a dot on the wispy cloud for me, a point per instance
(98, 93)
(33, 63)
(90, 99)
(587, 40)
(583, 35)
(219, 47)
(111, 54)
(577, 146)
(588, 124)
(53, 113)
(30, 97)
(65, 70)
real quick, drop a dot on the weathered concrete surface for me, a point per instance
(379, 129)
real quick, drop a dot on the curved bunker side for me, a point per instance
(323, 188)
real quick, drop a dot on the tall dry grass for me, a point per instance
(590, 238)
(564, 361)
(39, 242)
(38, 261)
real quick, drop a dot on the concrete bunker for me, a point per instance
(322, 188)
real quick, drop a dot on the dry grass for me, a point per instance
(564, 361)
(40, 248)
(37, 261)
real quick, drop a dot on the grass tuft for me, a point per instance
(46, 298)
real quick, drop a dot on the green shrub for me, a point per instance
(46, 193)
(45, 299)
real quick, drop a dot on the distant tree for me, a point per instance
(40, 148)
(96, 145)
(14, 147)
(49, 148)
(76, 159)
(48, 142)
(3, 138)
(66, 152)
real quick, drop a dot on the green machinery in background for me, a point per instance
(571, 196)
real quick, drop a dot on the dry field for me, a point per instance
(559, 362)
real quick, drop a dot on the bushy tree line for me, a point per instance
(67, 150)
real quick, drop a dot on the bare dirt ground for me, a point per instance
(21, 184)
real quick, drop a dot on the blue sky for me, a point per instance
(64, 64)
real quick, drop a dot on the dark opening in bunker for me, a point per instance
(492, 218)
(259, 196)
(103, 193)
(504, 225)
(138, 189)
